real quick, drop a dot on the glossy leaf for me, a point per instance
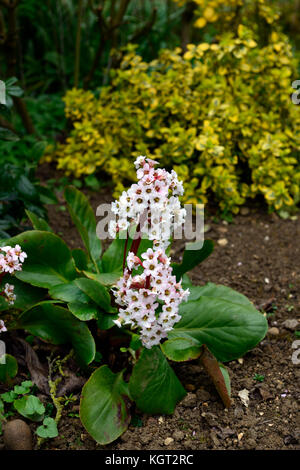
(84, 218)
(103, 410)
(153, 384)
(105, 321)
(49, 260)
(229, 329)
(58, 326)
(37, 222)
(218, 291)
(81, 259)
(107, 279)
(95, 291)
(83, 311)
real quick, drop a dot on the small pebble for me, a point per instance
(291, 324)
(222, 241)
(273, 331)
(168, 441)
(178, 435)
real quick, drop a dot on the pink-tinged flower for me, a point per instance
(139, 161)
(133, 261)
(117, 322)
(2, 327)
(141, 296)
(12, 265)
(12, 260)
(17, 250)
(156, 193)
(9, 293)
(151, 299)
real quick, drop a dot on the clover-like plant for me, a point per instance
(136, 302)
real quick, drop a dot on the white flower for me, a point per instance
(139, 161)
(9, 293)
(2, 327)
(112, 228)
(12, 260)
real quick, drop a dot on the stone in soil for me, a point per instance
(17, 435)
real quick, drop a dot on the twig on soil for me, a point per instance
(54, 366)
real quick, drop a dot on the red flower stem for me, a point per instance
(1, 277)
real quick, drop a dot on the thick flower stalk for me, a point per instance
(148, 293)
(11, 260)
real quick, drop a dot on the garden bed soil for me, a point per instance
(261, 259)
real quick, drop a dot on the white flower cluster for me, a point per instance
(153, 202)
(150, 300)
(11, 260)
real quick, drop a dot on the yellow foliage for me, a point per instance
(221, 114)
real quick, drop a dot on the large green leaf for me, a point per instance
(218, 291)
(153, 384)
(112, 259)
(85, 297)
(95, 291)
(81, 259)
(228, 329)
(68, 293)
(49, 260)
(107, 279)
(191, 259)
(84, 312)
(78, 302)
(8, 368)
(105, 321)
(26, 295)
(58, 326)
(103, 411)
(83, 217)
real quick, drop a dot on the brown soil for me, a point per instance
(260, 260)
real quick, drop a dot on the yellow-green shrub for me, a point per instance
(221, 114)
(228, 14)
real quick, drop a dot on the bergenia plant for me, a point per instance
(130, 299)
(148, 292)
